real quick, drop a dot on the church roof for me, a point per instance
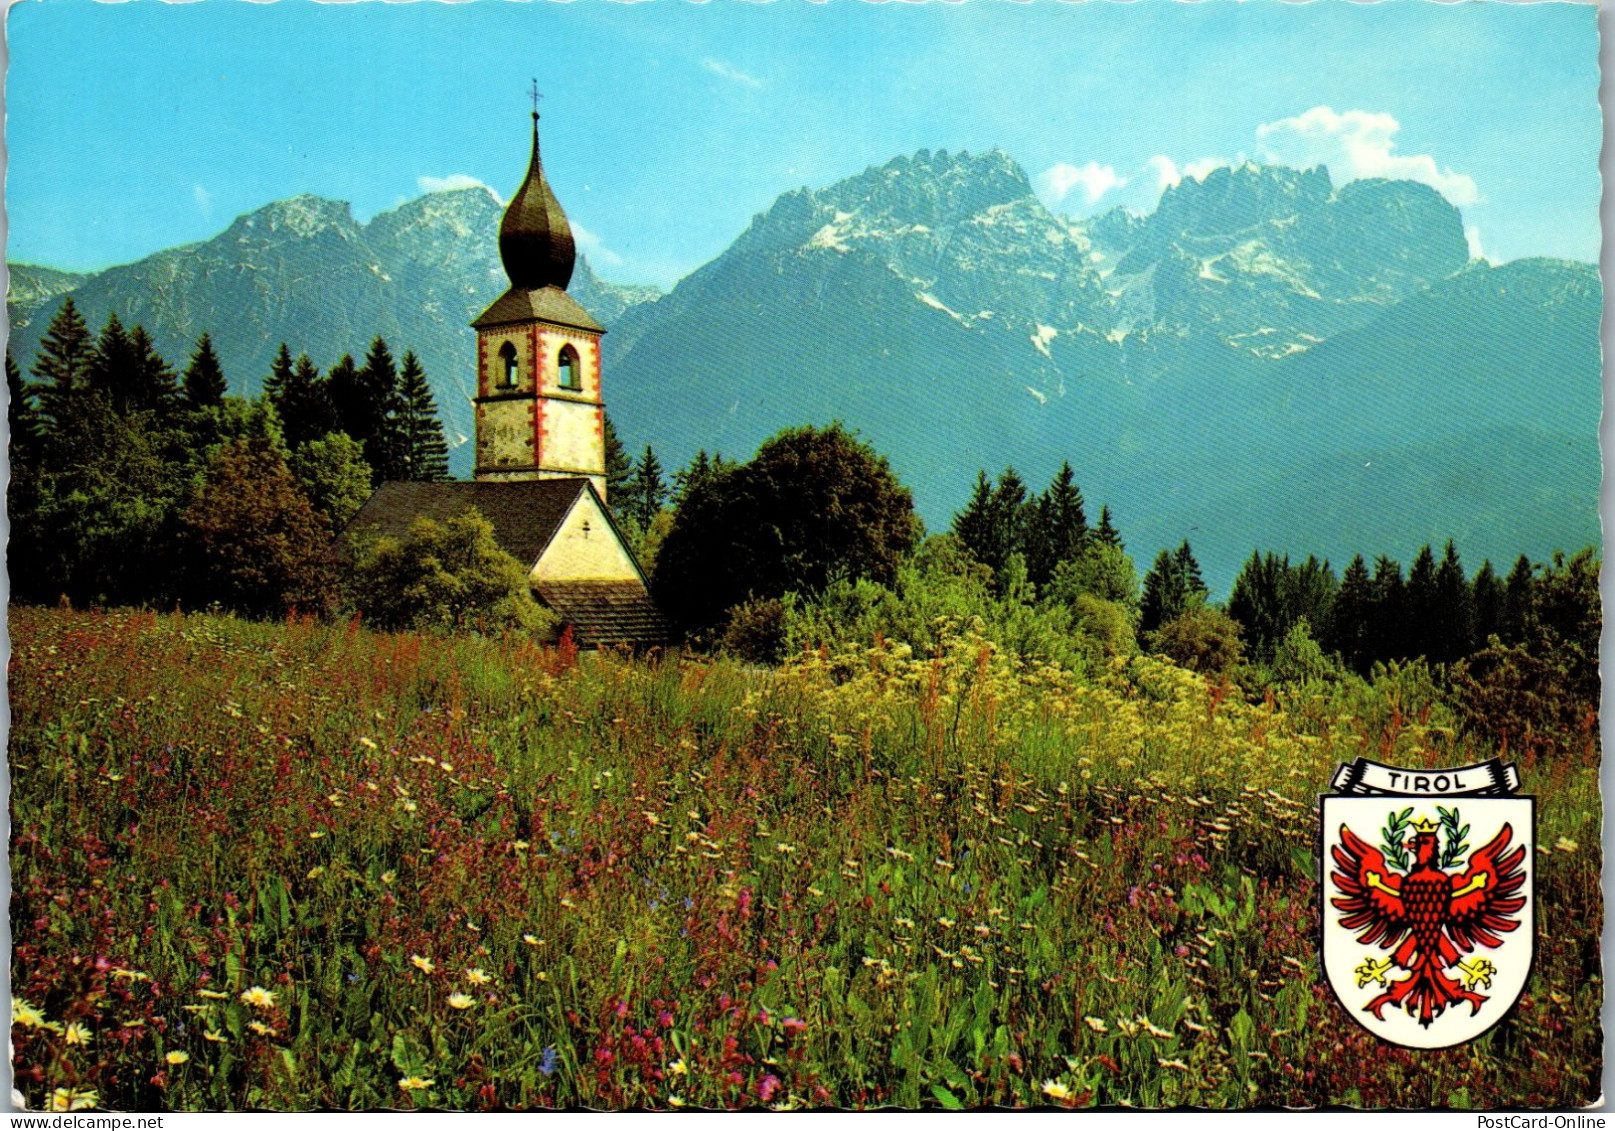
(525, 513)
(548, 304)
(535, 241)
(606, 613)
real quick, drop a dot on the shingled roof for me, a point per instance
(605, 613)
(547, 304)
(525, 513)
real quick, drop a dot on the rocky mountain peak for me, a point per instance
(1233, 199)
(300, 217)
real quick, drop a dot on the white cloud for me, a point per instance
(452, 181)
(1095, 180)
(1199, 168)
(1476, 251)
(1165, 170)
(733, 74)
(597, 252)
(1354, 144)
(203, 198)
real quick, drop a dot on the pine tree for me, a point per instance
(428, 453)
(26, 428)
(1390, 634)
(280, 375)
(348, 400)
(1349, 624)
(1488, 599)
(646, 492)
(386, 449)
(151, 385)
(1519, 601)
(306, 413)
(1453, 622)
(619, 465)
(112, 363)
(1423, 609)
(1189, 572)
(1106, 531)
(204, 385)
(686, 481)
(1257, 603)
(63, 363)
(1058, 529)
(1163, 598)
(973, 525)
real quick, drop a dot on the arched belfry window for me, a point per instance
(571, 372)
(507, 356)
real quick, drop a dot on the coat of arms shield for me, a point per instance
(1426, 897)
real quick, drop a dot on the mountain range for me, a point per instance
(1266, 360)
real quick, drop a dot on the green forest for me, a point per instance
(955, 819)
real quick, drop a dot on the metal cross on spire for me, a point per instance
(536, 97)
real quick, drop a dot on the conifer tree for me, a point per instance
(1058, 529)
(1189, 571)
(1453, 623)
(63, 363)
(1164, 593)
(973, 525)
(204, 385)
(306, 413)
(386, 449)
(1390, 631)
(280, 375)
(26, 429)
(348, 401)
(701, 467)
(1488, 599)
(619, 465)
(1257, 602)
(646, 492)
(1348, 632)
(112, 363)
(1519, 601)
(428, 453)
(1106, 531)
(150, 385)
(1423, 607)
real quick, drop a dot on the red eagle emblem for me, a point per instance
(1432, 917)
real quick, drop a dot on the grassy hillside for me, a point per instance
(304, 865)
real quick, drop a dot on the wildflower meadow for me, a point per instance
(304, 865)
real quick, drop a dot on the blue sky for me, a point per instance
(667, 125)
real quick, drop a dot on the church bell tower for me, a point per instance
(539, 409)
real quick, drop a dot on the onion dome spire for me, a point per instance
(535, 241)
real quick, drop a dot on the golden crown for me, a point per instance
(1425, 825)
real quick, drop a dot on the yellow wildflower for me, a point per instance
(131, 975)
(1056, 1090)
(211, 1035)
(674, 1101)
(461, 1001)
(260, 1028)
(414, 1084)
(422, 963)
(531, 940)
(25, 1014)
(213, 995)
(1097, 1024)
(73, 1099)
(388, 877)
(679, 1068)
(177, 1057)
(79, 1034)
(259, 997)
(477, 976)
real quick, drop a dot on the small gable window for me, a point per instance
(507, 358)
(571, 374)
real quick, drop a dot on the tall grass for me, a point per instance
(309, 866)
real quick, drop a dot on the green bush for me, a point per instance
(446, 576)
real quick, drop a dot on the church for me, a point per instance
(540, 474)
